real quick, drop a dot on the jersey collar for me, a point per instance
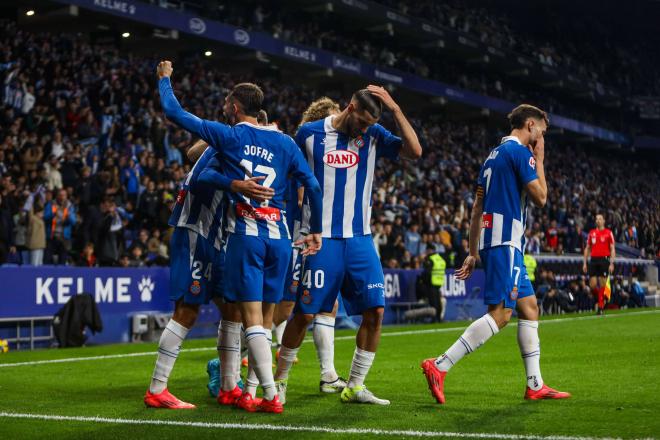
(327, 124)
(271, 127)
(510, 138)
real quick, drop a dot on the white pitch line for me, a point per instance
(338, 338)
(293, 428)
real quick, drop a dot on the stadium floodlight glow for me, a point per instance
(126, 34)
(29, 13)
(208, 53)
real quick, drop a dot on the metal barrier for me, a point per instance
(32, 338)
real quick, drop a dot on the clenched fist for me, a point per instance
(164, 69)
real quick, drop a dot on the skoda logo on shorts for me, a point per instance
(197, 25)
(241, 37)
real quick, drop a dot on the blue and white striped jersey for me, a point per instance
(293, 211)
(345, 169)
(502, 178)
(201, 208)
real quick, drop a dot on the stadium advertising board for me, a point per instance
(121, 292)
(464, 298)
(41, 291)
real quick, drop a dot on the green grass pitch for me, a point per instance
(611, 365)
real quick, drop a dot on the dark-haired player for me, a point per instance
(512, 173)
(342, 150)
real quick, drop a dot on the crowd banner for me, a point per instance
(260, 41)
(122, 292)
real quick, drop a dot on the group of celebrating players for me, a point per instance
(253, 188)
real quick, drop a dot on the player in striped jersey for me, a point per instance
(258, 244)
(195, 264)
(512, 173)
(323, 330)
(342, 149)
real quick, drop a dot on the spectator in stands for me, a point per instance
(413, 240)
(59, 218)
(98, 121)
(154, 244)
(136, 257)
(87, 257)
(6, 231)
(106, 246)
(20, 220)
(552, 237)
(36, 232)
(379, 237)
(124, 261)
(149, 205)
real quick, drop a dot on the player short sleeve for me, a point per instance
(524, 165)
(302, 134)
(389, 145)
(481, 179)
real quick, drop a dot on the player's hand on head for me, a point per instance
(164, 69)
(311, 244)
(466, 270)
(384, 97)
(251, 189)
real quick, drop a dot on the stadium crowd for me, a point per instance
(90, 167)
(285, 20)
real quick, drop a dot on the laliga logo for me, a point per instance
(197, 25)
(341, 158)
(241, 37)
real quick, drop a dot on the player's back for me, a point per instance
(249, 151)
(503, 176)
(197, 207)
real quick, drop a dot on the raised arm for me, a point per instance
(213, 133)
(475, 233)
(410, 146)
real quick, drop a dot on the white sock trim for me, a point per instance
(177, 329)
(324, 320)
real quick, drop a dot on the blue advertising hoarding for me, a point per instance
(41, 291)
(120, 293)
(464, 298)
